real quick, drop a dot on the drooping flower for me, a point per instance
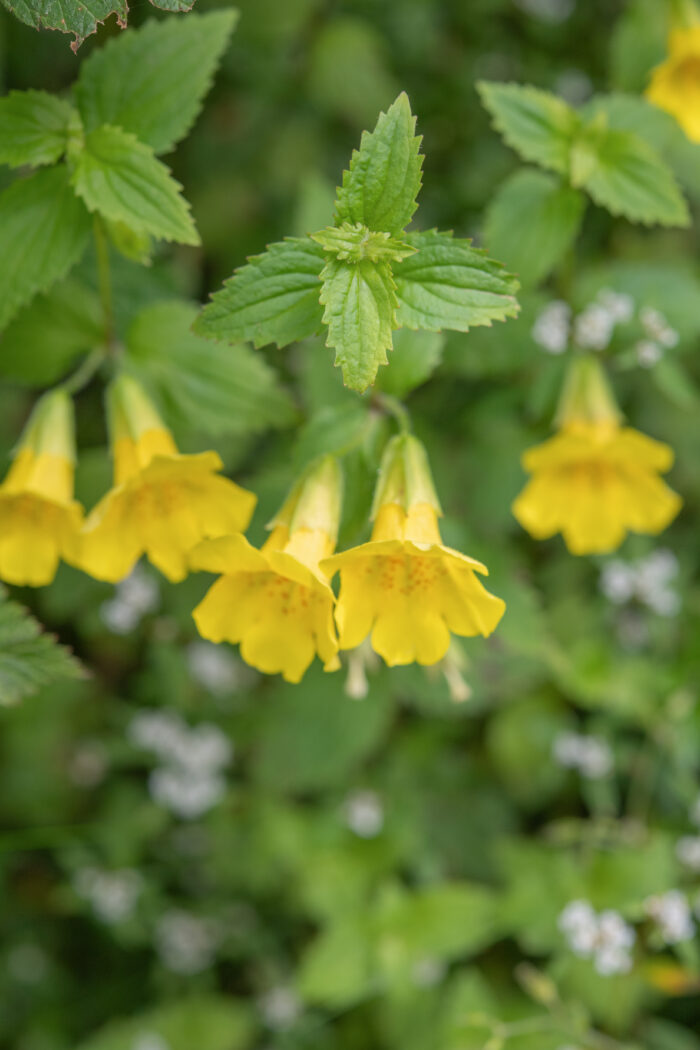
(163, 502)
(276, 602)
(404, 587)
(675, 83)
(595, 480)
(39, 519)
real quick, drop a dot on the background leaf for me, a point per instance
(44, 230)
(205, 386)
(540, 126)
(28, 658)
(71, 16)
(33, 128)
(119, 177)
(152, 81)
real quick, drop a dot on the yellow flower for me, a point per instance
(404, 587)
(276, 601)
(595, 480)
(163, 502)
(675, 84)
(39, 519)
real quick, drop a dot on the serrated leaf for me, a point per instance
(208, 386)
(531, 222)
(71, 313)
(622, 173)
(44, 230)
(381, 186)
(274, 298)
(29, 659)
(414, 358)
(33, 128)
(360, 311)
(121, 179)
(76, 17)
(352, 242)
(538, 125)
(151, 81)
(449, 284)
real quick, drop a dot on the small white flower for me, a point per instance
(87, 766)
(185, 943)
(428, 972)
(112, 894)
(619, 305)
(214, 667)
(149, 1041)
(593, 327)
(579, 924)
(688, 851)
(552, 326)
(186, 793)
(134, 597)
(118, 617)
(162, 732)
(280, 1008)
(364, 814)
(648, 353)
(609, 960)
(618, 581)
(590, 755)
(672, 913)
(605, 938)
(548, 10)
(657, 327)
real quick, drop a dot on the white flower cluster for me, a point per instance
(214, 667)
(548, 10)
(280, 1007)
(134, 598)
(659, 336)
(648, 580)
(604, 937)
(364, 814)
(186, 944)
(671, 912)
(190, 780)
(589, 755)
(594, 326)
(688, 846)
(552, 327)
(111, 894)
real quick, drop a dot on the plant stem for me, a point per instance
(84, 372)
(394, 408)
(104, 281)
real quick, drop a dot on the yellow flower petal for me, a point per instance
(675, 84)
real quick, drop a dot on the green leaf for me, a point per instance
(72, 314)
(33, 128)
(382, 184)
(210, 387)
(207, 1022)
(76, 17)
(415, 357)
(449, 284)
(334, 429)
(531, 222)
(538, 125)
(360, 311)
(622, 173)
(336, 969)
(351, 243)
(274, 298)
(119, 177)
(29, 659)
(151, 81)
(44, 230)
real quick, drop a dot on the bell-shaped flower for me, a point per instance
(675, 83)
(276, 602)
(163, 502)
(39, 519)
(595, 480)
(404, 588)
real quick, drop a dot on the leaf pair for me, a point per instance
(72, 16)
(535, 216)
(364, 277)
(134, 98)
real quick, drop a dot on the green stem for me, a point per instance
(394, 408)
(104, 280)
(84, 372)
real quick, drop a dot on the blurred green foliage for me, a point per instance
(387, 872)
